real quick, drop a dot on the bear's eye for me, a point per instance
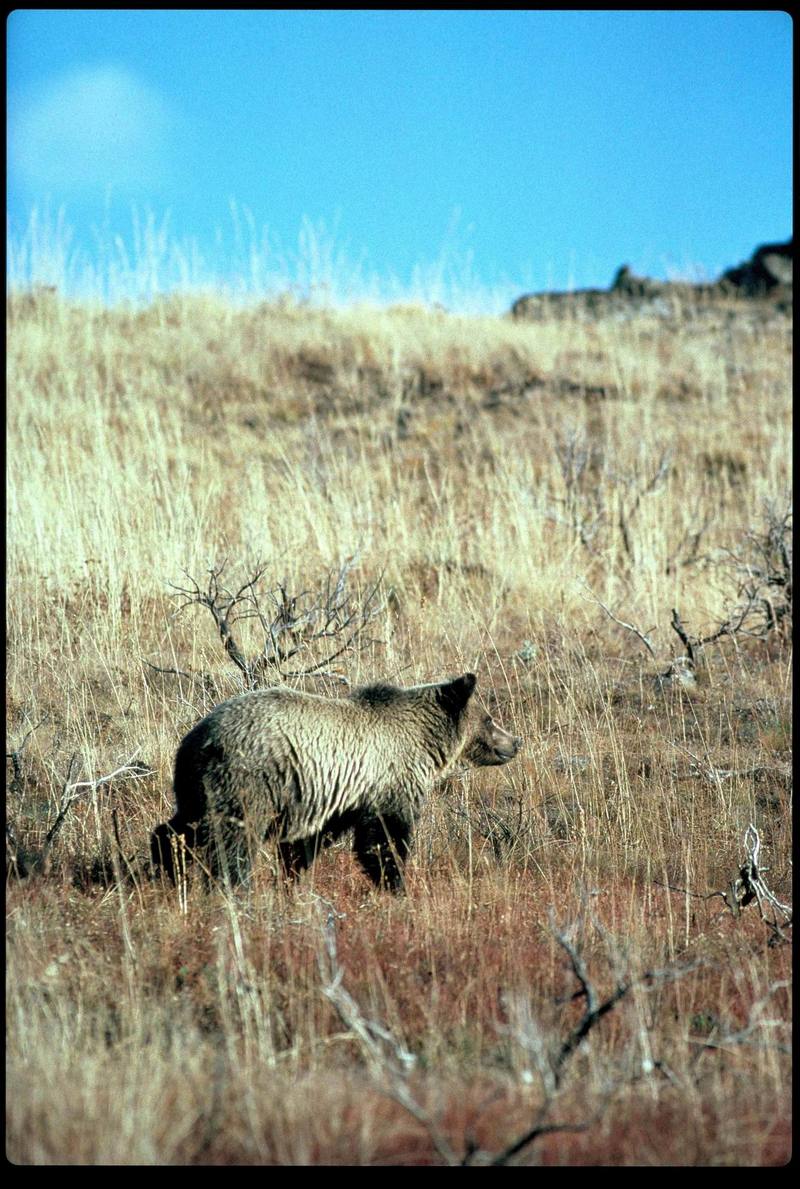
(488, 722)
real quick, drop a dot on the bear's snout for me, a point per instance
(509, 750)
(505, 746)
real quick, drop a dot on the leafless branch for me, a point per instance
(762, 564)
(63, 809)
(681, 632)
(391, 1065)
(389, 1061)
(756, 611)
(704, 768)
(628, 626)
(291, 623)
(583, 500)
(127, 771)
(539, 1129)
(594, 1010)
(552, 1065)
(71, 791)
(749, 885)
(198, 677)
(650, 485)
(729, 627)
(221, 603)
(755, 1025)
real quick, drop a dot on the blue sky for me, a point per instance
(394, 152)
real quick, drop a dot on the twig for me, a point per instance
(203, 678)
(128, 771)
(534, 1133)
(661, 472)
(593, 1012)
(742, 1037)
(731, 626)
(705, 768)
(52, 833)
(686, 892)
(552, 1068)
(294, 623)
(16, 755)
(69, 794)
(747, 886)
(629, 626)
(681, 631)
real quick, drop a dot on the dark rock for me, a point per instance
(767, 274)
(769, 268)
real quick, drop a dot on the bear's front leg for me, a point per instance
(164, 838)
(228, 847)
(382, 845)
(295, 857)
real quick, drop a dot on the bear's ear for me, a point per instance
(454, 695)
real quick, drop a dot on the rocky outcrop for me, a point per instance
(766, 275)
(767, 271)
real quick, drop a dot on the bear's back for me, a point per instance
(309, 730)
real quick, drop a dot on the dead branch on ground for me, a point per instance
(703, 769)
(388, 1060)
(551, 1064)
(71, 791)
(757, 609)
(643, 636)
(749, 885)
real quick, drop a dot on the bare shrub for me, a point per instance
(332, 618)
(23, 861)
(762, 568)
(760, 608)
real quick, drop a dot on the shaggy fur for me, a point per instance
(304, 769)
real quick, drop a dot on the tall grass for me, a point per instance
(499, 478)
(137, 257)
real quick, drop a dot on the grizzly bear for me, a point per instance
(304, 769)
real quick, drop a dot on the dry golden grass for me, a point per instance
(493, 473)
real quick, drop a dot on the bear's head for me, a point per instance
(484, 741)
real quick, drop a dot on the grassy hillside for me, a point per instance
(480, 487)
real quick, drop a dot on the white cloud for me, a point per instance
(93, 127)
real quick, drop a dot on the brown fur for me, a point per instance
(305, 769)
